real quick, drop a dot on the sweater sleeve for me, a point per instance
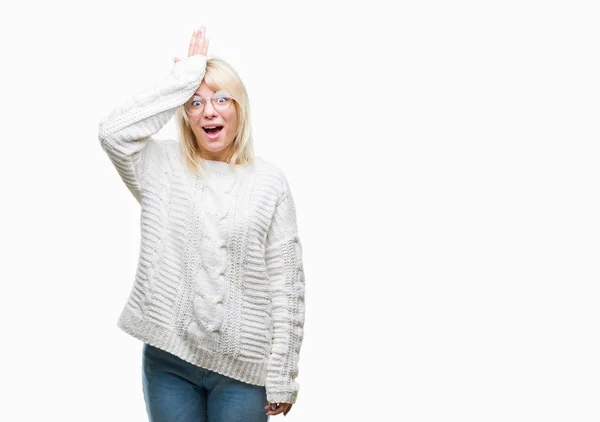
(286, 279)
(126, 133)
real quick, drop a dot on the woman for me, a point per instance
(218, 297)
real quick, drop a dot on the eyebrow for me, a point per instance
(221, 92)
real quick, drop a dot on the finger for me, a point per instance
(198, 43)
(201, 40)
(275, 411)
(205, 48)
(202, 32)
(286, 411)
(176, 59)
(192, 43)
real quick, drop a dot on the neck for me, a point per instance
(215, 156)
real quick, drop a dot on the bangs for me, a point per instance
(213, 84)
(219, 77)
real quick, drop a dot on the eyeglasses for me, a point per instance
(220, 101)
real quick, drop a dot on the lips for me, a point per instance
(212, 131)
(213, 128)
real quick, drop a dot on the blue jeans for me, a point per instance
(177, 391)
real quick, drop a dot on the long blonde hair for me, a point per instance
(220, 75)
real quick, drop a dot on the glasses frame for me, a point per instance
(215, 96)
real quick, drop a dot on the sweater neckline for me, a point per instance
(223, 166)
(217, 165)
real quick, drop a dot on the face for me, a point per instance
(214, 145)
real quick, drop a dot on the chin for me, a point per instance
(214, 146)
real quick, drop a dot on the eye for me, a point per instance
(222, 100)
(196, 102)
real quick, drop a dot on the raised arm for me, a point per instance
(286, 277)
(126, 133)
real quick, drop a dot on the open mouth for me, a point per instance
(212, 129)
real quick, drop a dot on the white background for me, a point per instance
(444, 161)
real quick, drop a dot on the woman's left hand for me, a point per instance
(277, 408)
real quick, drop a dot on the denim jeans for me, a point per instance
(177, 391)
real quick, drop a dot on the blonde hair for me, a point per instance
(220, 75)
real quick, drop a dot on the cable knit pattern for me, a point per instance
(219, 281)
(284, 263)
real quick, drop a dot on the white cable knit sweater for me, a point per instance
(220, 281)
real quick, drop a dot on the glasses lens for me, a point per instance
(222, 103)
(196, 105)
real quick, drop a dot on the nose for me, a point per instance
(209, 110)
